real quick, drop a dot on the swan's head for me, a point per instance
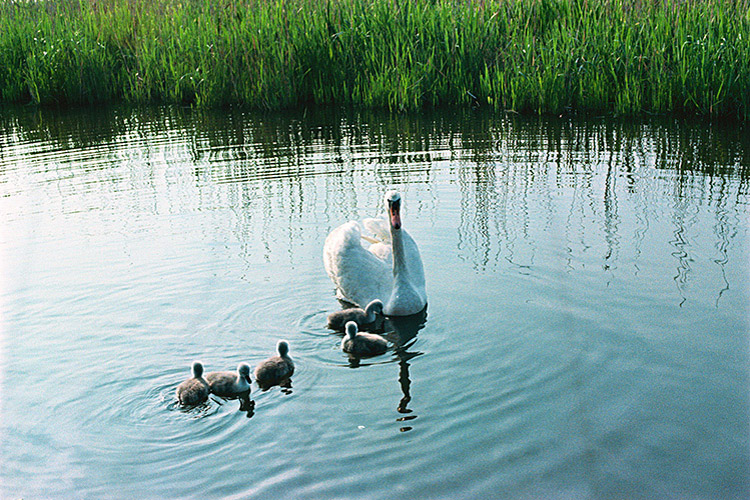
(197, 369)
(244, 370)
(351, 329)
(393, 200)
(375, 306)
(283, 347)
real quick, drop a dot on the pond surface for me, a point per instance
(586, 337)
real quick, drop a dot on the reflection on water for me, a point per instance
(212, 405)
(588, 287)
(247, 405)
(316, 159)
(404, 332)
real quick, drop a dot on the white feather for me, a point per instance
(347, 261)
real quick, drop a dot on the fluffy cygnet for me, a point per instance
(230, 383)
(363, 318)
(362, 343)
(276, 368)
(195, 389)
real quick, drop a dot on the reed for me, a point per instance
(540, 56)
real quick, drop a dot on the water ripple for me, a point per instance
(558, 359)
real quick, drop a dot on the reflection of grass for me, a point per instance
(526, 55)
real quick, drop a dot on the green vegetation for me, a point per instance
(541, 56)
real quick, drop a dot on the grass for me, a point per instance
(539, 56)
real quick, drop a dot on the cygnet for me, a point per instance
(195, 389)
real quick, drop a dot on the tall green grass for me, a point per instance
(541, 56)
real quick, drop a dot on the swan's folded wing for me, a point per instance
(381, 245)
(358, 274)
(379, 227)
(383, 251)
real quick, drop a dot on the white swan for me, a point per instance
(230, 383)
(390, 269)
(195, 389)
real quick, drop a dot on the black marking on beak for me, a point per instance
(395, 212)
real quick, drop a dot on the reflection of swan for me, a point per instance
(362, 343)
(230, 383)
(195, 389)
(404, 333)
(390, 269)
(364, 319)
(275, 369)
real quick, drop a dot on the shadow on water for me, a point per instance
(247, 405)
(285, 385)
(199, 410)
(209, 407)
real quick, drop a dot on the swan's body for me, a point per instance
(390, 269)
(364, 318)
(195, 389)
(362, 343)
(230, 383)
(276, 368)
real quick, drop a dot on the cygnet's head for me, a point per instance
(375, 306)
(393, 200)
(244, 370)
(197, 369)
(283, 347)
(351, 329)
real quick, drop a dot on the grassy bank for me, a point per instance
(541, 56)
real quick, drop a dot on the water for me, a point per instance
(586, 334)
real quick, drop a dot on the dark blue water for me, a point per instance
(586, 337)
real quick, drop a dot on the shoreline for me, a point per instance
(525, 56)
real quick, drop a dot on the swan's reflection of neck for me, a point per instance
(403, 379)
(405, 329)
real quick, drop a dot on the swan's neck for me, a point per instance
(399, 259)
(406, 297)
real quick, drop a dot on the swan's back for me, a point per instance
(379, 227)
(359, 275)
